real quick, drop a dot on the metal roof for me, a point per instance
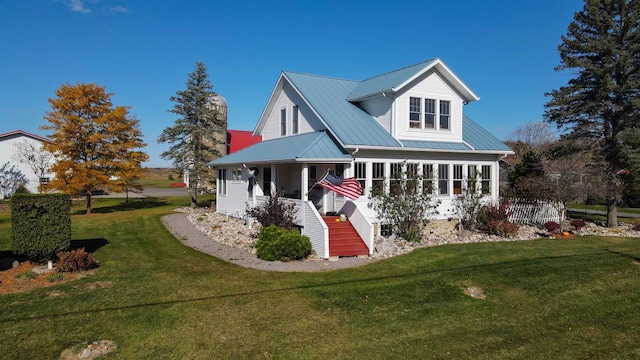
(479, 138)
(350, 124)
(318, 146)
(435, 145)
(388, 81)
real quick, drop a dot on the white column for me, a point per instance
(304, 186)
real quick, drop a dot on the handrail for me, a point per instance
(363, 226)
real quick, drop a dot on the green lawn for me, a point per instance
(157, 299)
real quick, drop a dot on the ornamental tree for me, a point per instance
(96, 143)
(602, 99)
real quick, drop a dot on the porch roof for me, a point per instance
(314, 146)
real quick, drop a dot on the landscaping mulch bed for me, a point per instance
(12, 282)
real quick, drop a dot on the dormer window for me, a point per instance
(445, 114)
(415, 121)
(429, 113)
(424, 117)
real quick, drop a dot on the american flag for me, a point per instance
(349, 187)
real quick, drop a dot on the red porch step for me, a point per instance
(343, 238)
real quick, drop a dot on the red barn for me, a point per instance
(240, 139)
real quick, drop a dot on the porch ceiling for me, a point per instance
(315, 146)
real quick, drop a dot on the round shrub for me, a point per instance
(275, 243)
(76, 260)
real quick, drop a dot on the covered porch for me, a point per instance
(292, 166)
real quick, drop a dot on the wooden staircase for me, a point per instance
(343, 238)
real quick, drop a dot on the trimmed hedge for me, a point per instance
(40, 225)
(275, 243)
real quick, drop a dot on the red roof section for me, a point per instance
(240, 139)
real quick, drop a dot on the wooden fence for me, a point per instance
(533, 212)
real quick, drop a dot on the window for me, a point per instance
(429, 113)
(427, 178)
(443, 179)
(44, 180)
(457, 179)
(361, 173)
(412, 177)
(445, 114)
(378, 178)
(485, 180)
(414, 113)
(266, 181)
(472, 178)
(395, 178)
(236, 174)
(283, 122)
(222, 181)
(294, 120)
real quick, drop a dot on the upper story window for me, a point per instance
(294, 120)
(283, 122)
(445, 114)
(429, 113)
(424, 117)
(415, 120)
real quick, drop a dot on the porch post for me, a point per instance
(274, 179)
(304, 186)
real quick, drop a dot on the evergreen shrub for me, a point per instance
(40, 225)
(275, 243)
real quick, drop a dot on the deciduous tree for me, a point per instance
(195, 133)
(96, 143)
(602, 48)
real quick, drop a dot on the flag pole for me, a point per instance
(316, 183)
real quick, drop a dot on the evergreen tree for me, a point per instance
(602, 47)
(193, 136)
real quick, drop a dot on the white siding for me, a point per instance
(380, 108)
(287, 99)
(430, 86)
(8, 155)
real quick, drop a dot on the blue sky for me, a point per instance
(142, 51)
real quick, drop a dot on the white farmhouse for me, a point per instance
(362, 129)
(13, 171)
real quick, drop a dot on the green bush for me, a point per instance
(275, 243)
(40, 225)
(76, 260)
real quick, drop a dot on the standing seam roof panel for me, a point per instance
(350, 124)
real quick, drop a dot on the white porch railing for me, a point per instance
(315, 228)
(362, 225)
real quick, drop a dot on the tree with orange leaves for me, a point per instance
(96, 144)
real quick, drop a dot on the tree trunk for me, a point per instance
(194, 198)
(612, 214)
(89, 203)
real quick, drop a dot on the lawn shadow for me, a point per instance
(89, 245)
(133, 204)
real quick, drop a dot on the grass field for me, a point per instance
(157, 299)
(156, 178)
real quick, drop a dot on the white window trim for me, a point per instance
(283, 110)
(423, 108)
